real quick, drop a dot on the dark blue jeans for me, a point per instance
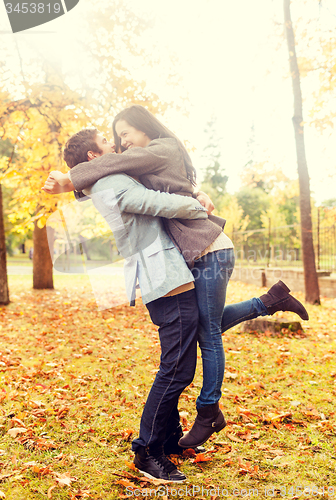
(177, 319)
(212, 273)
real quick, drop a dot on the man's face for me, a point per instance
(104, 145)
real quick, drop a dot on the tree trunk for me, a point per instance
(42, 263)
(4, 293)
(308, 254)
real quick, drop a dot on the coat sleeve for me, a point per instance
(136, 198)
(134, 161)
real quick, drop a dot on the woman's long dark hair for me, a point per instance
(140, 118)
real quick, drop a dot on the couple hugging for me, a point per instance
(143, 185)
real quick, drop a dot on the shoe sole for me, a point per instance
(149, 476)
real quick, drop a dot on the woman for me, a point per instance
(154, 155)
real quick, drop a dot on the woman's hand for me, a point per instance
(61, 178)
(205, 201)
(52, 186)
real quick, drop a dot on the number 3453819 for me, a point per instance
(32, 8)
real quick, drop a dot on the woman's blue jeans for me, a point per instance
(212, 273)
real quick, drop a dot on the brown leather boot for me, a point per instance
(278, 299)
(209, 419)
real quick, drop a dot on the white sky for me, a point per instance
(229, 68)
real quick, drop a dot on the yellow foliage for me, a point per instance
(40, 122)
(39, 126)
(234, 215)
(41, 222)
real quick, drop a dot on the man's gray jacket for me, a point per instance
(134, 213)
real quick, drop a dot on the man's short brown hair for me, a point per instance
(78, 146)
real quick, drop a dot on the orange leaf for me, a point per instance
(127, 433)
(234, 438)
(130, 465)
(18, 421)
(202, 458)
(126, 482)
(225, 448)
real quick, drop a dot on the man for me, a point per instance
(134, 215)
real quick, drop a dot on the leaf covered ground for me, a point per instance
(73, 382)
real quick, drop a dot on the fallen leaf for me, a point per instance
(64, 479)
(16, 430)
(49, 493)
(202, 458)
(189, 452)
(29, 464)
(126, 483)
(230, 375)
(131, 465)
(311, 413)
(234, 438)
(127, 433)
(277, 417)
(36, 404)
(95, 440)
(62, 412)
(19, 422)
(245, 435)
(225, 447)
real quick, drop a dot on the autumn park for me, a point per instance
(167, 191)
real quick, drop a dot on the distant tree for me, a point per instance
(4, 292)
(308, 254)
(331, 203)
(327, 213)
(254, 202)
(215, 180)
(5, 147)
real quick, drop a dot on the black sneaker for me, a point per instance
(158, 468)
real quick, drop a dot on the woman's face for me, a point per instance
(131, 137)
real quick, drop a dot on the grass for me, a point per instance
(75, 379)
(19, 260)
